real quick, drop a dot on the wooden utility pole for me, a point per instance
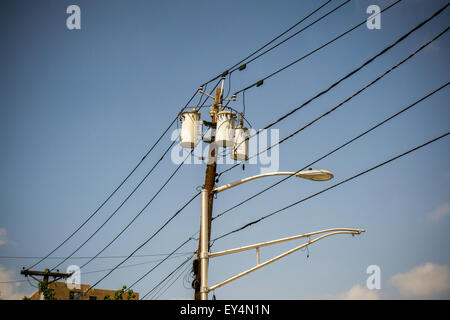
(46, 274)
(210, 179)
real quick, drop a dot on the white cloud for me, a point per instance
(2, 236)
(359, 293)
(8, 289)
(440, 212)
(423, 281)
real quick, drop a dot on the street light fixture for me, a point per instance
(314, 175)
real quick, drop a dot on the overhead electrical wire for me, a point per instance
(125, 200)
(334, 150)
(331, 187)
(156, 266)
(165, 285)
(403, 37)
(122, 182)
(113, 192)
(134, 219)
(350, 141)
(359, 91)
(347, 99)
(391, 159)
(400, 40)
(170, 274)
(162, 135)
(88, 257)
(180, 165)
(235, 67)
(144, 243)
(318, 95)
(172, 253)
(117, 209)
(260, 82)
(129, 223)
(169, 256)
(294, 34)
(13, 281)
(163, 290)
(148, 203)
(230, 69)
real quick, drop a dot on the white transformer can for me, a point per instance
(240, 145)
(189, 122)
(225, 128)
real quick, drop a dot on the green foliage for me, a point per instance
(26, 298)
(118, 295)
(49, 294)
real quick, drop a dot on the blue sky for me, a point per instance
(79, 109)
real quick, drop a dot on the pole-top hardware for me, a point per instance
(242, 67)
(233, 98)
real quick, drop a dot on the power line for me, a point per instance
(159, 139)
(163, 280)
(148, 203)
(88, 257)
(296, 33)
(278, 44)
(157, 295)
(126, 178)
(349, 98)
(165, 285)
(172, 255)
(145, 242)
(117, 209)
(336, 149)
(131, 222)
(331, 187)
(242, 67)
(126, 199)
(114, 191)
(13, 281)
(260, 82)
(156, 266)
(174, 252)
(169, 256)
(403, 37)
(139, 213)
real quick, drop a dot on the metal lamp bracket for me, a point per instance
(320, 235)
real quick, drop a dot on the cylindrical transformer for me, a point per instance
(225, 128)
(189, 122)
(240, 145)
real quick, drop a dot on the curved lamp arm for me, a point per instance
(323, 234)
(315, 175)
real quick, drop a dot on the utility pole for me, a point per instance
(46, 274)
(210, 179)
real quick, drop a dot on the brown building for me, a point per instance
(62, 292)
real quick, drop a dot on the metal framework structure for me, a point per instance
(323, 234)
(204, 254)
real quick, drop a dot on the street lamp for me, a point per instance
(314, 175)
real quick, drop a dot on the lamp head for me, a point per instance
(315, 175)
